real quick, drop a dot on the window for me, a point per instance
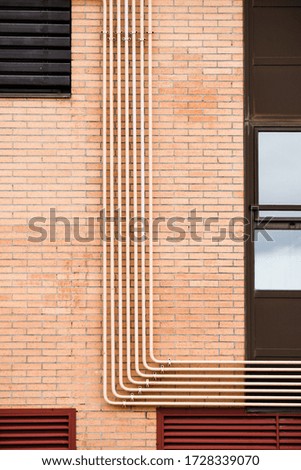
(278, 260)
(273, 175)
(35, 47)
(279, 167)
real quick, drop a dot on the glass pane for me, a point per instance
(279, 168)
(279, 214)
(278, 260)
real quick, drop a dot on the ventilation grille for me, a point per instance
(35, 50)
(227, 429)
(290, 432)
(37, 429)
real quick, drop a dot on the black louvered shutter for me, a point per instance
(35, 47)
(37, 429)
(220, 429)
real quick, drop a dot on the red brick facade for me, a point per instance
(50, 292)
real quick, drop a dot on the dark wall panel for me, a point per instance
(277, 32)
(277, 91)
(277, 328)
(274, 50)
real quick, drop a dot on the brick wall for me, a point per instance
(198, 94)
(50, 292)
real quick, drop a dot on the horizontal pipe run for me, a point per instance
(203, 404)
(231, 390)
(214, 397)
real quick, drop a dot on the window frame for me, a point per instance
(252, 125)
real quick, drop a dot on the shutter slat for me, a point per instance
(35, 54)
(221, 420)
(31, 420)
(24, 428)
(31, 442)
(225, 427)
(290, 420)
(283, 428)
(24, 41)
(34, 28)
(36, 67)
(55, 4)
(34, 80)
(219, 433)
(34, 15)
(37, 447)
(182, 440)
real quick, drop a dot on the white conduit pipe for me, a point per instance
(228, 376)
(152, 356)
(119, 158)
(104, 190)
(127, 183)
(148, 385)
(112, 156)
(209, 397)
(112, 199)
(150, 156)
(135, 185)
(127, 196)
(150, 176)
(112, 282)
(142, 158)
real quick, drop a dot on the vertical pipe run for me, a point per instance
(119, 184)
(135, 186)
(104, 191)
(142, 150)
(127, 184)
(150, 172)
(112, 251)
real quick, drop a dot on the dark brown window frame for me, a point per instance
(252, 206)
(252, 126)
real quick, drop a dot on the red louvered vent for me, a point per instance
(37, 429)
(290, 432)
(219, 429)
